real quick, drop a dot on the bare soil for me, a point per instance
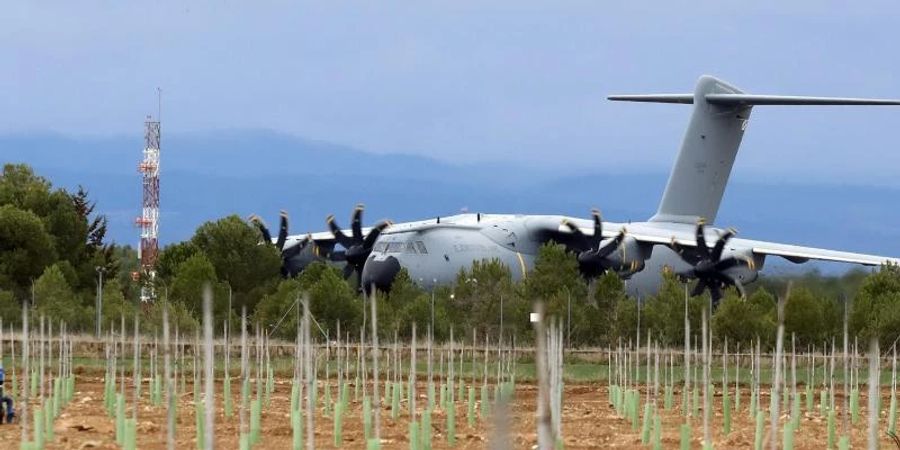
(588, 422)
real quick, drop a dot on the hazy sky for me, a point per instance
(464, 81)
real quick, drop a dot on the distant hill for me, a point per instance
(209, 175)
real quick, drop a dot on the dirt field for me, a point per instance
(588, 422)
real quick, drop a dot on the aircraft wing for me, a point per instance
(796, 253)
(660, 233)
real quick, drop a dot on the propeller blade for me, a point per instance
(698, 289)
(598, 227)
(339, 235)
(294, 250)
(579, 237)
(730, 262)
(720, 244)
(262, 228)
(282, 231)
(356, 224)
(701, 240)
(612, 245)
(716, 293)
(373, 235)
(348, 270)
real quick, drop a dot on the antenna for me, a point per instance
(148, 221)
(159, 103)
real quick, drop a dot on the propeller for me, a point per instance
(593, 254)
(357, 246)
(709, 267)
(288, 268)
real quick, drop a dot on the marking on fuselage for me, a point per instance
(521, 264)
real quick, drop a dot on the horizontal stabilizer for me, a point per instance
(752, 100)
(687, 99)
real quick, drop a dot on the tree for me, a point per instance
(557, 281)
(663, 313)
(331, 299)
(74, 234)
(54, 299)
(232, 246)
(280, 308)
(25, 248)
(803, 317)
(180, 318)
(743, 321)
(625, 320)
(478, 293)
(115, 306)
(20, 187)
(876, 310)
(172, 256)
(190, 279)
(10, 309)
(396, 310)
(606, 291)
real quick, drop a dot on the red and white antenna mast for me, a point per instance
(149, 219)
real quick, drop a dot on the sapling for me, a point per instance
(310, 377)
(23, 409)
(874, 391)
(376, 403)
(707, 438)
(244, 434)
(795, 406)
(226, 383)
(844, 427)
(209, 374)
(545, 435)
(450, 407)
(170, 383)
(686, 408)
(413, 426)
(737, 378)
(776, 384)
(892, 415)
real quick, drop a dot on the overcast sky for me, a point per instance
(465, 81)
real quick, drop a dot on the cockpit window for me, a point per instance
(380, 247)
(421, 246)
(396, 247)
(410, 247)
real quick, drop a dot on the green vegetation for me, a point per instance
(51, 243)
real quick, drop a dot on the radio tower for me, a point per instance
(149, 219)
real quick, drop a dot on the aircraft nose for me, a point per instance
(380, 273)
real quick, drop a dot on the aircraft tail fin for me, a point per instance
(721, 114)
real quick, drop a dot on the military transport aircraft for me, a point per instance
(679, 237)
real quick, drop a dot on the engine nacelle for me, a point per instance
(742, 273)
(630, 256)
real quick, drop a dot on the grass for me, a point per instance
(578, 372)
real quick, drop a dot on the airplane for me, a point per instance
(679, 237)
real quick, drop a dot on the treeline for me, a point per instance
(52, 246)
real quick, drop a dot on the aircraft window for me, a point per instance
(421, 246)
(396, 247)
(410, 247)
(380, 247)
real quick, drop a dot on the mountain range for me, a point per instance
(208, 175)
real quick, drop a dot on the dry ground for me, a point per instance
(588, 422)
